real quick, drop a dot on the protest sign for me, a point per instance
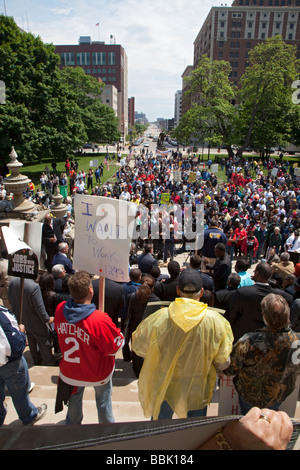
(177, 176)
(22, 261)
(192, 177)
(30, 233)
(165, 198)
(104, 229)
(215, 168)
(229, 401)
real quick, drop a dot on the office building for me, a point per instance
(108, 64)
(178, 107)
(230, 32)
(131, 111)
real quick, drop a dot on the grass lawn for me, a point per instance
(34, 170)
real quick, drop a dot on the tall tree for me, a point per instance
(266, 109)
(212, 95)
(39, 118)
(100, 121)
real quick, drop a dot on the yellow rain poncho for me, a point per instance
(180, 344)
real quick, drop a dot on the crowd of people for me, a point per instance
(180, 330)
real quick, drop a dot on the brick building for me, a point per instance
(230, 32)
(105, 62)
(131, 111)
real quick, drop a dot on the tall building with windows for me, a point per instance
(177, 107)
(131, 111)
(108, 63)
(230, 32)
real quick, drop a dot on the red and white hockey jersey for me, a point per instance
(88, 340)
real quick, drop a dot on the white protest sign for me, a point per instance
(215, 168)
(12, 241)
(93, 163)
(274, 172)
(31, 233)
(104, 228)
(177, 176)
(229, 400)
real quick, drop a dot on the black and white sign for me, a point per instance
(23, 263)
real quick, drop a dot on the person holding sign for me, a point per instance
(88, 340)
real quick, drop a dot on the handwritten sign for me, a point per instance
(104, 228)
(229, 400)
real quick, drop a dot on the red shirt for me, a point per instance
(88, 348)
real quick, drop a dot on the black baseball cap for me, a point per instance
(190, 281)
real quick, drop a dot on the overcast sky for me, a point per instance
(158, 37)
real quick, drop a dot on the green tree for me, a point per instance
(266, 110)
(212, 113)
(100, 121)
(39, 117)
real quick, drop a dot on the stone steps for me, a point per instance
(126, 404)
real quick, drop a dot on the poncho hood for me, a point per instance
(187, 313)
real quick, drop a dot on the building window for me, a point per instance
(111, 58)
(67, 58)
(83, 58)
(99, 58)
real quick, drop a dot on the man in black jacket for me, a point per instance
(221, 270)
(113, 298)
(245, 311)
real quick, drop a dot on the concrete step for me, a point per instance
(125, 400)
(126, 405)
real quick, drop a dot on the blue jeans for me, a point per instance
(103, 403)
(245, 406)
(166, 412)
(14, 375)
